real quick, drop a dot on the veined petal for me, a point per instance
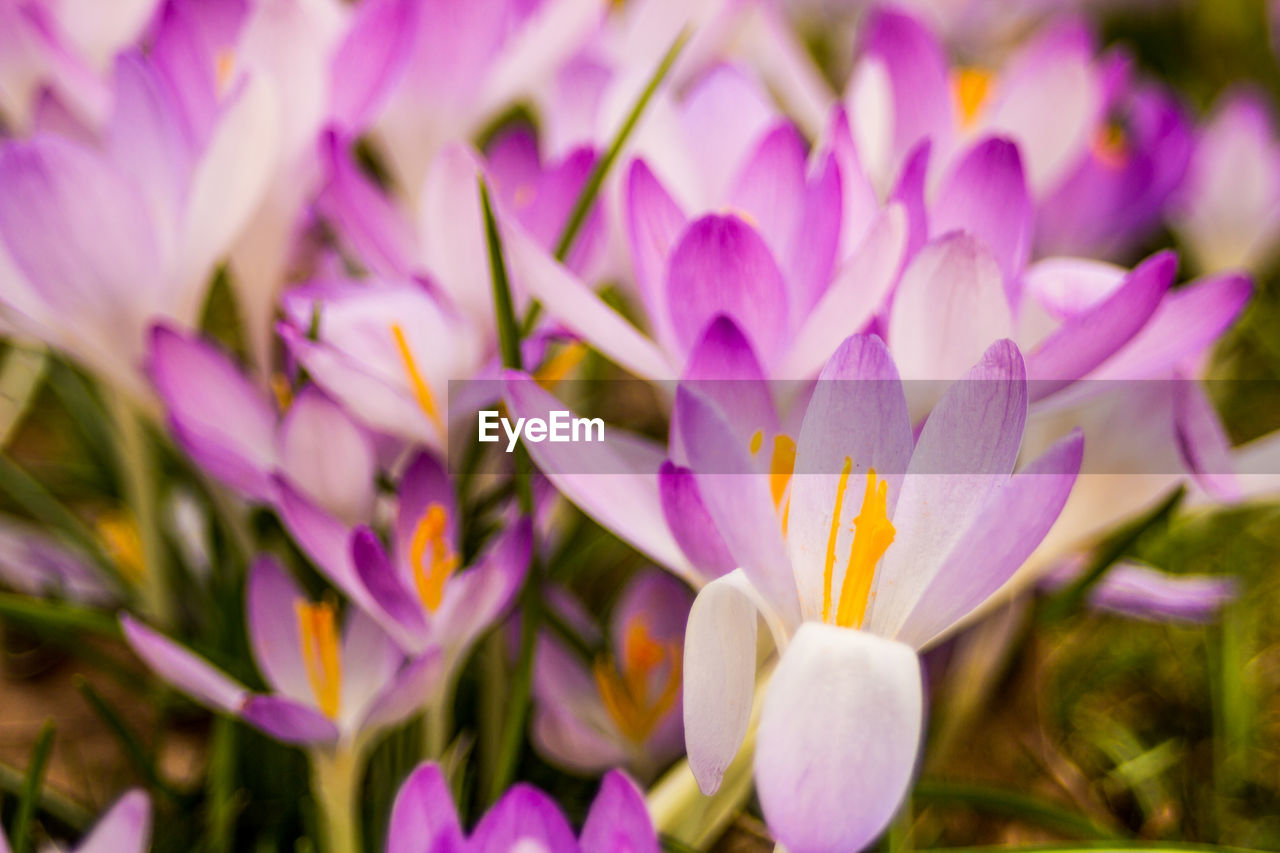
(367, 222)
(289, 721)
(967, 449)
(476, 598)
(857, 412)
(618, 821)
(424, 817)
(524, 818)
(719, 675)
(948, 308)
(723, 368)
(451, 231)
(839, 734)
(372, 665)
(370, 60)
(395, 606)
(724, 115)
(654, 223)
(270, 598)
(328, 456)
(917, 73)
(689, 522)
(769, 191)
(1005, 533)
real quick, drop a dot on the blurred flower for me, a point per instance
(385, 351)
(1141, 591)
(941, 525)
(424, 818)
(100, 238)
(419, 591)
(1229, 212)
(623, 709)
(34, 562)
(124, 828)
(232, 430)
(55, 56)
(332, 687)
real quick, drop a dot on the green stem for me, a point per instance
(335, 781)
(591, 189)
(137, 468)
(31, 788)
(437, 721)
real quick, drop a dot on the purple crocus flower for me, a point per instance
(231, 428)
(424, 818)
(1229, 208)
(331, 686)
(419, 591)
(36, 563)
(124, 828)
(100, 239)
(1141, 591)
(623, 709)
(941, 524)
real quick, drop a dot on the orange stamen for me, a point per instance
(321, 653)
(971, 87)
(421, 390)
(433, 561)
(624, 687)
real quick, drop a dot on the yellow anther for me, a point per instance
(757, 441)
(873, 534)
(1110, 145)
(282, 391)
(624, 688)
(421, 390)
(321, 653)
(829, 567)
(561, 364)
(120, 537)
(971, 87)
(430, 556)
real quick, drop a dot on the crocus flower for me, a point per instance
(124, 828)
(332, 686)
(1229, 209)
(424, 818)
(622, 709)
(232, 429)
(34, 562)
(419, 591)
(931, 527)
(98, 241)
(1141, 591)
(61, 53)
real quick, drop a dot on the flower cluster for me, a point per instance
(907, 328)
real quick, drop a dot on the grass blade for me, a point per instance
(1010, 804)
(31, 788)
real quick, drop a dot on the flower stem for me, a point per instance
(137, 470)
(335, 781)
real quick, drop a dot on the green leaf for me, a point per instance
(133, 748)
(56, 616)
(31, 788)
(1009, 804)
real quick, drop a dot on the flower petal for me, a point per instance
(424, 817)
(125, 828)
(370, 59)
(917, 73)
(689, 522)
(719, 675)
(288, 721)
(183, 669)
(618, 820)
(365, 220)
(654, 223)
(328, 456)
(841, 725)
(270, 598)
(524, 818)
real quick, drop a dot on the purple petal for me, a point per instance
(841, 724)
(810, 256)
(423, 817)
(271, 596)
(723, 369)
(370, 60)
(986, 195)
(183, 669)
(917, 72)
(424, 483)
(909, 191)
(403, 693)
(689, 522)
(1008, 529)
(1203, 440)
(722, 266)
(324, 539)
(328, 456)
(1087, 340)
(618, 821)
(524, 817)
(724, 115)
(125, 828)
(1144, 592)
(476, 598)
(396, 608)
(770, 190)
(289, 721)
(366, 220)
(654, 223)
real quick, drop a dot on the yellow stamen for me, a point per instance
(1110, 145)
(873, 534)
(433, 561)
(624, 688)
(970, 87)
(757, 441)
(120, 537)
(524, 196)
(282, 391)
(321, 653)
(421, 390)
(829, 567)
(561, 364)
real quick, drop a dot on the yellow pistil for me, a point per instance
(421, 391)
(971, 87)
(1110, 145)
(624, 687)
(561, 364)
(828, 569)
(282, 391)
(873, 534)
(321, 653)
(119, 534)
(433, 561)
